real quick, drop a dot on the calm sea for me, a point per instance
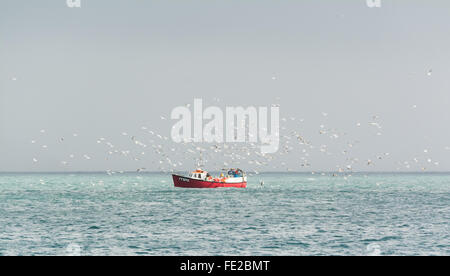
(291, 214)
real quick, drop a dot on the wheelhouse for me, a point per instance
(199, 174)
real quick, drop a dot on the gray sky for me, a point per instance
(115, 66)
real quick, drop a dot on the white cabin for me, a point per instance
(198, 174)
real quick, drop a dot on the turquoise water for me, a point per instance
(292, 214)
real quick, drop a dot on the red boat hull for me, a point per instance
(187, 182)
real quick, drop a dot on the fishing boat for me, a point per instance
(234, 178)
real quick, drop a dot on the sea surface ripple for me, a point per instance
(291, 214)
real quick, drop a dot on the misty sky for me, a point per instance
(114, 66)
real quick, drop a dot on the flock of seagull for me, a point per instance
(159, 153)
(167, 156)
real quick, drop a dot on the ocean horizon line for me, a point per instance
(261, 172)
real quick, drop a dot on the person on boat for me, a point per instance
(238, 173)
(230, 172)
(208, 177)
(233, 173)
